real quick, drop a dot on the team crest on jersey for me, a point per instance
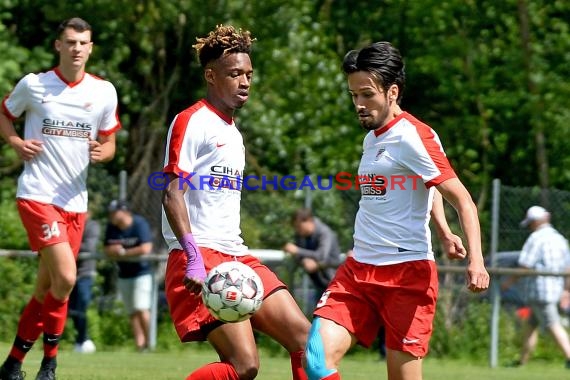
(380, 152)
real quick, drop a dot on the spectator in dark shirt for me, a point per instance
(129, 235)
(316, 248)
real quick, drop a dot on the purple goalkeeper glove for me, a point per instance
(195, 265)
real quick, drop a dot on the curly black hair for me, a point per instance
(221, 41)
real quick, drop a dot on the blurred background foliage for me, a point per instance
(490, 77)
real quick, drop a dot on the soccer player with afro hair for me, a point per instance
(202, 226)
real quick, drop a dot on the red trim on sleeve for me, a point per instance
(441, 178)
(434, 150)
(108, 132)
(6, 111)
(177, 138)
(174, 169)
(115, 128)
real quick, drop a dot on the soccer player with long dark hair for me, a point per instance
(391, 278)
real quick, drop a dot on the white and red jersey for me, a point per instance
(205, 147)
(400, 164)
(63, 116)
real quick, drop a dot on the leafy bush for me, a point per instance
(12, 232)
(18, 279)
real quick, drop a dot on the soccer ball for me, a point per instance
(232, 292)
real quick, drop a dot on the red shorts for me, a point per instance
(47, 224)
(192, 321)
(402, 297)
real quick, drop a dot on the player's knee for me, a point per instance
(315, 360)
(247, 372)
(246, 368)
(62, 285)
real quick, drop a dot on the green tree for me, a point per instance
(488, 76)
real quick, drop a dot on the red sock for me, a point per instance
(29, 329)
(214, 371)
(297, 365)
(54, 316)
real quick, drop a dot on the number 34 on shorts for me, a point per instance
(50, 231)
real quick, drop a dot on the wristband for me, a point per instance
(122, 251)
(194, 263)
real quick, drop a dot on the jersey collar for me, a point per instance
(211, 107)
(379, 131)
(70, 84)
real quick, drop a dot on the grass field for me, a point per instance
(126, 365)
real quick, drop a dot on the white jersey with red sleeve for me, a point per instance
(63, 116)
(205, 150)
(401, 162)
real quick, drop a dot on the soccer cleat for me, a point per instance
(46, 373)
(47, 369)
(11, 374)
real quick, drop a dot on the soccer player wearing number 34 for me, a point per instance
(71, 120)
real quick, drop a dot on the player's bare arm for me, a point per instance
(451, 243)
(456, 194)
(175, 206)
(102, 149)
(26, 149)
(177, 215)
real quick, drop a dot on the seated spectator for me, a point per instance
(315, 249)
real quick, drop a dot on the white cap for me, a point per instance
(533, 214)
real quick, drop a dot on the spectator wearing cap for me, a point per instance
(129, 235)
(544, 250)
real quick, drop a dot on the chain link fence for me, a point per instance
(513, 203)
